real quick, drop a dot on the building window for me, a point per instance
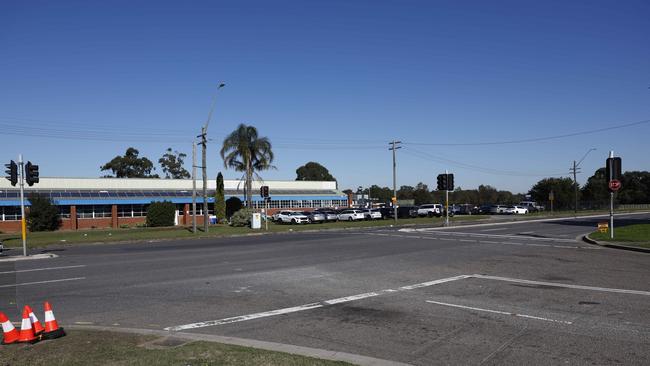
(10, 213)
(64, 212)
(93, 211)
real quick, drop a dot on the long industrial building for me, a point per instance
(86, 203)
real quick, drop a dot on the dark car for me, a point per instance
(482, 210)
(404, 212)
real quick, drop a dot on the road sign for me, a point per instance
(603, 226)
(613, 168)
(551, 196)
(614, 185)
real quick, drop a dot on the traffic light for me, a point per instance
(442, 182)
(12, 172)
(264, 191)
(450, 182)
(31, 173)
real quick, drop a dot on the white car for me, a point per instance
(516, 210)
(351, 215)
(371, 214)
(498, 209)
(290, 217)
(430, 210)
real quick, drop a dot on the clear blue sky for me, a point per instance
(333, 82)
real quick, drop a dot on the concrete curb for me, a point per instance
(15, 258)
(614, 245)
(269, 346)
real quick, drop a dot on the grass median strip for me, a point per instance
(85, 347)
(42, 239)
(637, 235)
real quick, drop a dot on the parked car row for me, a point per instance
(325, 215)
(425, 210)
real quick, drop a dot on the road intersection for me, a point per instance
(520, 293)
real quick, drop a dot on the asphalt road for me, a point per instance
(524, 293)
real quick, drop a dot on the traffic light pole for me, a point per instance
(447, 200)
(194, 187)
(23, 226)
(611, 195)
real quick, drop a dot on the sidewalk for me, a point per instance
(615, 244)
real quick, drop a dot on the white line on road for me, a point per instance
(499, 312)
(565, 285)
(366, 295)
(310, 306)
(41, 282)
(42, 269)
(496, 229)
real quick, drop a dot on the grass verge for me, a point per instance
(83, 347)
(635, 235)
(42, 239)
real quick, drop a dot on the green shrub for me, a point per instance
(233, 204)
(161, 214)
(43, 215)
(242, 217)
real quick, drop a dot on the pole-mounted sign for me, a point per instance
(614, 185)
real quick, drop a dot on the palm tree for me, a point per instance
(245, 152)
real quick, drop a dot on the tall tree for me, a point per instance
(421, 194)
(172, 164)
(130, 166)
(313, 171)
(43, 214)
(244, 151)
(563, 191)
(219, 199)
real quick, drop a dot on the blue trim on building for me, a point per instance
(179, 200)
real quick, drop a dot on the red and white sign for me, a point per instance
(614, 185)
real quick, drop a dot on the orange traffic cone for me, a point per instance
(26, 334)
(38, 328)
(10, 332)
(52, 329)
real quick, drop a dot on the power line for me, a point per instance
(535, 139)
(438, 159)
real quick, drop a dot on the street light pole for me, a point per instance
(204, 169)
(393, 148)
(575, 171)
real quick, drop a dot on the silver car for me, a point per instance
(329, 215)
(315, 217)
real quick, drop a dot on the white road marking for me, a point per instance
(316, 305)
(565, 285)
(508, 236)
(469, 241)
(500, 312)
(310, 306)
(496, 229)
(42, 269)
(435, 282)
(41, 282)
